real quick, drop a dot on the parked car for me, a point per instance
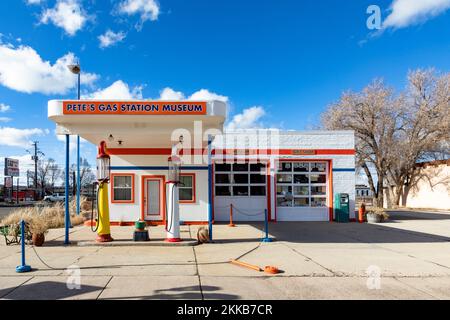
(56, 197)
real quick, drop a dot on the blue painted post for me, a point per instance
(67, 213)
(266, 227)
(78, 175)
(23, 267)
(210, 193)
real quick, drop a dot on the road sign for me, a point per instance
(8, 182)
(11, 167)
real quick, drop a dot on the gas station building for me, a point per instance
(293, 176)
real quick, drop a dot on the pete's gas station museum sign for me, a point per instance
(133, 108)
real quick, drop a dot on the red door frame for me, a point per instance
(162, 197)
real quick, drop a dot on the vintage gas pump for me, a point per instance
(172, 207)
(103, 174)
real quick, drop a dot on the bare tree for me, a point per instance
(374, 115)
(55, 173)
(425, 130)
(394, 132)
(86, 174)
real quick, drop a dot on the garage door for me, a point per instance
(244, 185)
(302, 191)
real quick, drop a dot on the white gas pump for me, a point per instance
(172, 207)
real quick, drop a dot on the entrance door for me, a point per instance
(153, 201)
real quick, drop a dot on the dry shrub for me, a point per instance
(40, 219)
(379, 211)
(85, 205)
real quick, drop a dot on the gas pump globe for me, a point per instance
(103, 163)
(174, 169)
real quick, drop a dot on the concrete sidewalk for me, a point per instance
(318, 260)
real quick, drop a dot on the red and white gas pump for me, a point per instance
(173, 207)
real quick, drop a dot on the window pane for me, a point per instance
(282, 190)
(240, 178)
(186, 181)
(284, 167)
(257, 167)
(301, 166)
(223, 167)
(222, 178)
(240, 166)
(301, 178)
(319, 190)
(284, 178)
(318, 167)
(185, 194)
(223, 191)
(281, 202)
(240, 191)
(301, 191)
(301, 202)
(122, 194)
(122, 181)
(258, 190)
(318, 178)
(318, 202)
(257, 178)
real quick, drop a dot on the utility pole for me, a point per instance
(35, 158)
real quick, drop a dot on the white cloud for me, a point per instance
(118, 90)
(200, 95)
(408, 12)
(30, 2)
(5, 119)
(110, 38)
(14, 137)
(67, 14)
(72, 140)
(168, 94)
(4, 107)
(204, 94)
(148, 9)
(22, 69)
(248, 119)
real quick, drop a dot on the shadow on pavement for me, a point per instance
(45, 290)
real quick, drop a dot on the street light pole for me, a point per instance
(76, 69)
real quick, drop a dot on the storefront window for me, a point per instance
(308, 181)
(318, 178)
(318, 202)
(122, 188)
(301, 202)
(240, 179)
(186, 188)
(223, 191)
(301, 178)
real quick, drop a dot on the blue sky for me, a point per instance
(286, 59)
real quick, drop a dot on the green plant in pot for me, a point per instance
(376, 215)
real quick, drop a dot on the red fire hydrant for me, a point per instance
(361, 213)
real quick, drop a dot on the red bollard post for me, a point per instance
(231, 224)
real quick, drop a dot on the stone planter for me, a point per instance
(373, 218)
(38, 239)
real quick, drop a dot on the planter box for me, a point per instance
(373, 218)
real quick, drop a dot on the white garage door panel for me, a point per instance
(245, 209)
(302, 214)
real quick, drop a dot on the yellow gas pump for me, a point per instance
(103, 174)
